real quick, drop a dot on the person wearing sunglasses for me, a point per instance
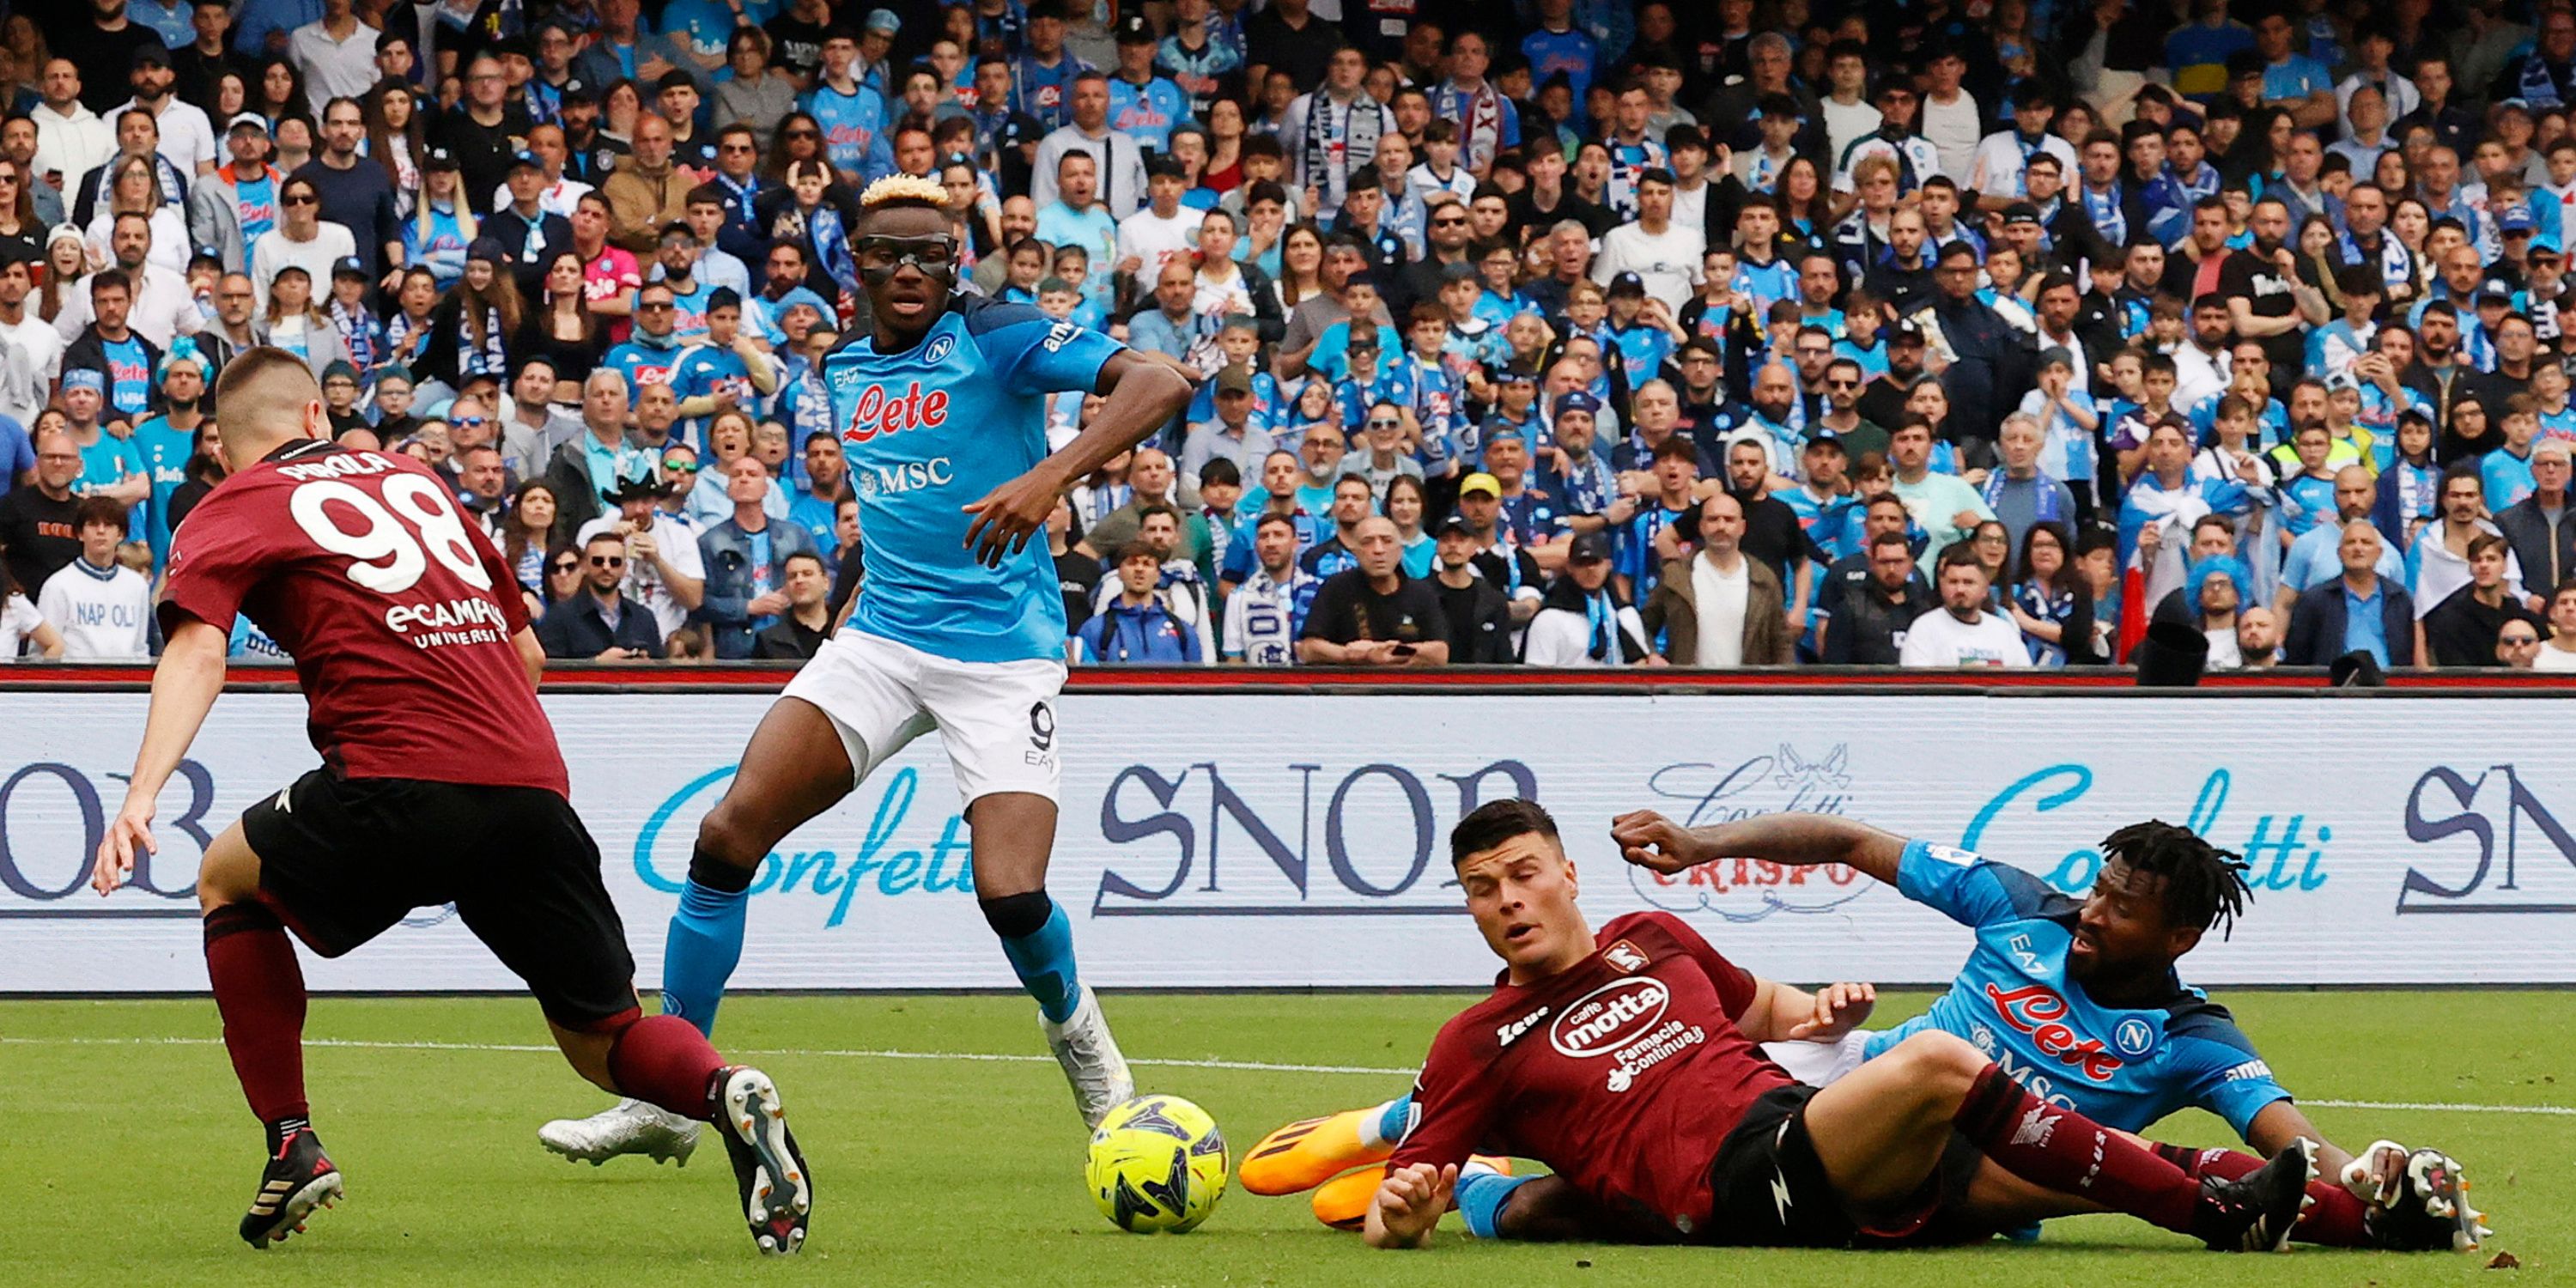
(962, 625)
(599, 623)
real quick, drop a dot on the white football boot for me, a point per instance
(1091, 1060)
(629, 1127)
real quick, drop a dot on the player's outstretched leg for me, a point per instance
(2391, 1198)
(663, 1061)
(1013, 833)
(1311, 1151)
(1881, 1131)
(259, 988)
(795, 768)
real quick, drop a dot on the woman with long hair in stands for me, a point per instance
(561, 328)
(279, 91)
(2051, 603)
(1301, 265)
(66, 263)
(295, 321)
(469, 331)
(133, 187)
(397, 139)
(525, 532)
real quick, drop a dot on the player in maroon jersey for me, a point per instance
(440, 782)
(1626, 1061)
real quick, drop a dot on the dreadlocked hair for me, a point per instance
(2204, 885)
(900, 190)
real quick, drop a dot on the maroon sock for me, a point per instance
(2064, 1151)
(2334, 1218)
(664, 1060)
(259, 988)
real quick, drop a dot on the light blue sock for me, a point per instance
(1043, 959)
(1394, 1121)
(699, 954)
(1480, 1200)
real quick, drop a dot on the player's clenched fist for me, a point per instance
(1409, 1202)
(1654, 842)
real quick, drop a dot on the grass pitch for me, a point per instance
(126, 1154)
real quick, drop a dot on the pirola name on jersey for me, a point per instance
(337, 465)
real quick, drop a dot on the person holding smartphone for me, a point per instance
(1374, 615)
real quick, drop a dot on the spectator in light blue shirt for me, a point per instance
(2291, 79)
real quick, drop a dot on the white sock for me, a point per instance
(1370, 1136)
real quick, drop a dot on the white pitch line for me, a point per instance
(1234, 1066)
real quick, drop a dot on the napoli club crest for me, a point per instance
(939, 348)
(2133, 1037)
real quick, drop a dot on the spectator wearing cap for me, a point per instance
(665, 570)
(1584, 619)
(183, 136)
(1232, 435)
(531, 232)
(745, 583)
(723, 369)
(1664, 256)
(440, 226)
(337, 54)
(600, 623)
(1576, 472)
(1720, 608)
(1479, 614)
(1160, 235)
(1143, 105)
(231, 208)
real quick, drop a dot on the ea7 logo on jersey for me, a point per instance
(1625, 957)
(1507, 1034)
(1610, 1017)
(1061, 336)
(879, 412)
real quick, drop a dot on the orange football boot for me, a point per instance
(1309, 1152)
(1343, 1202)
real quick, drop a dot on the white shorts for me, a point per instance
(997, 719)
(1819, 1064)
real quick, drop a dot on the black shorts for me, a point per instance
(343, 859)
(1771, 1191)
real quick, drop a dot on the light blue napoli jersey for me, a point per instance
(933, 429)
(2122, 1067)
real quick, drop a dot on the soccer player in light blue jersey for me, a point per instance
(2076, 999)
(940, 402)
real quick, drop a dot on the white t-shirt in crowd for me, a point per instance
(19, 619)
(2223, 653)
(1155, 240)
(2553, 658)
(1845, 126)
(644, 584)
(1670, 262)
(1954, 131)
(1720, 599)
(102, 614)
(1938, 638)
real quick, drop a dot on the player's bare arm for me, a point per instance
(532, 655)
(2282, 1122)
(1657, 843)
(1142, 395)
(185, 684)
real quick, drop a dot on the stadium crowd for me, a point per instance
(1564, 333)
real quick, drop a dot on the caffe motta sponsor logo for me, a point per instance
(1609, 1017)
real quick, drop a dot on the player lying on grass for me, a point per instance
(1621, 1060)
(941, 400)
(2077, 998)
(441, 782)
